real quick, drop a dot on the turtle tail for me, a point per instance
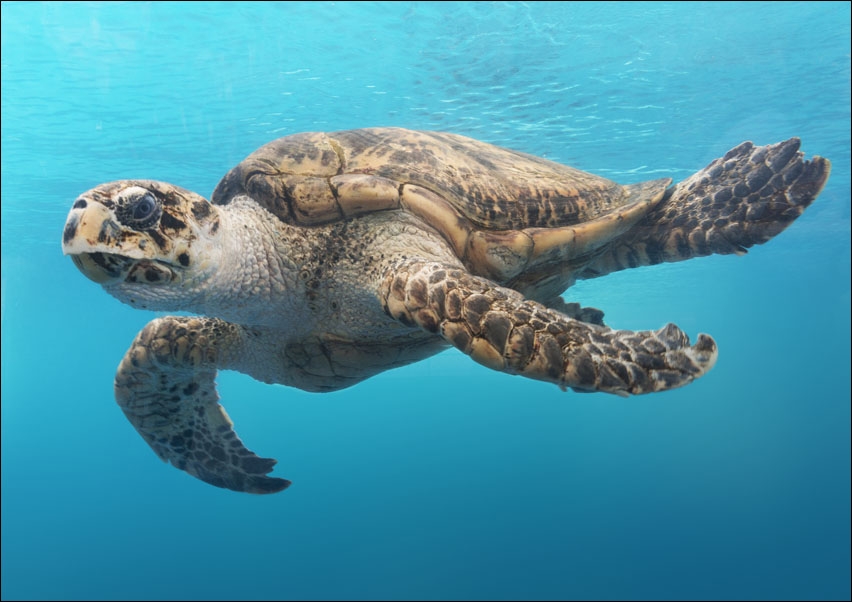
(742, 199)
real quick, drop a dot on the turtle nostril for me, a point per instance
(80, 204)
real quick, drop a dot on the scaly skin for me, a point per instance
(740, 200)
(500, 329)
(165, 386)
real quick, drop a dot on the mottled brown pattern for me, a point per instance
(742, 199)
(495, 188)
(500, 329)
(266, 175)
(165, 386)
(101, 221)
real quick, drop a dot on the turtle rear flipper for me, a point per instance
(166, 389)
(742, 199)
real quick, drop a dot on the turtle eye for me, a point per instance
(140, 211)
(143, 208)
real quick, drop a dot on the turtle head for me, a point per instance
(143, 241)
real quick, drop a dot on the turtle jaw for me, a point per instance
(109, 269)
(102, 268)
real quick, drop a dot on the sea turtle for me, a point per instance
(324, 259)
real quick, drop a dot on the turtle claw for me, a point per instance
(248, 475)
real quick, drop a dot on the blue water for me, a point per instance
(440, 480)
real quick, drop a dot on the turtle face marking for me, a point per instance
(136, 232)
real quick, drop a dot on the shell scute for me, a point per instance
(362, 193)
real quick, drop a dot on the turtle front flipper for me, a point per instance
(575, 311)
(165, 386)
(502, 330)
(742, 199)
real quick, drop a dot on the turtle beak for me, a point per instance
(102, 268)
(93, 239)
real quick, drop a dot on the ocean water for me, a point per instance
(440, 480)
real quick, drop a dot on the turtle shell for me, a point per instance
(499, 209)
(302, 179)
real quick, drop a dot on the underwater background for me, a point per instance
(440, 480)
